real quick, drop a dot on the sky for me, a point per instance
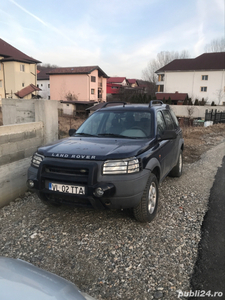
(121, 37)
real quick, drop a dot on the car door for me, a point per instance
(173, 143)
(164, 151)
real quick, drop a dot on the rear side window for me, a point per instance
(161, 125)
(174, 117)
(170, 124)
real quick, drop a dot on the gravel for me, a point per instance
(109, 255)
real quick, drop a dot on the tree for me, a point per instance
(190, 110)
(169, 101)
(140, 98)
(162, 59)
(216, 45)
(203, 101)
(196, 102)
(71, 97)
(219, 93)
(46, 66)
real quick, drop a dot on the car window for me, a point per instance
(137, 124)
(169, 121)
(174, 118)
(161, 125)
(92, 126)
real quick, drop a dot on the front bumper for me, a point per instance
(119, 191)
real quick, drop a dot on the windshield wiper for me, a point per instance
(115, 135)
(111, 134)
(85, 134)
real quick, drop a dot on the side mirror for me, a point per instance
(72, 131)
(167, 135)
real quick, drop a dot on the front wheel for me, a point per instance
(147, 208)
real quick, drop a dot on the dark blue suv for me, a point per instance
(116, 159)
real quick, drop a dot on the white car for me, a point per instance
(21, 280)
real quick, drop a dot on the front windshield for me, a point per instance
(128, 124)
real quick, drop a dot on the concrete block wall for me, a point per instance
(198, 111)
(47, 112)
(19, 140)
(17, 111)
(17, 144)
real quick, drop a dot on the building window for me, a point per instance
(49, 85)
(22, 84)
(92, 91)
(0, 66)
(93, 79)
(160, 88)
(203, 88)
(204, 77)
(161, 77)
(48, 97)
(22, 68)
(0, 83)
(38, 85)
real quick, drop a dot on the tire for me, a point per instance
(147, 208)
(46, 201)
(177, 170)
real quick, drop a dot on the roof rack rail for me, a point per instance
(118, 102)
(159, 102)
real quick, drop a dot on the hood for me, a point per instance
(95, 148)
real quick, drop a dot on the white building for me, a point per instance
(43, 81)
(202, 77)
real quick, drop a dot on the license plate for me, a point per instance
(67, 189)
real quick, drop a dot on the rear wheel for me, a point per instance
(177, 170)
(147, 208)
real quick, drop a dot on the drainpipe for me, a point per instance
(3, 69)
(89, 92)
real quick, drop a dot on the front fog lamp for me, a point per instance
(122, 166)
(99, 192)
(104, 189)
(30, 183)
(36, 159)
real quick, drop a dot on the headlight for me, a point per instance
(122, 166)
(36, 159)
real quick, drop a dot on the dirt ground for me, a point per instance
(65, 123)
(197, 140)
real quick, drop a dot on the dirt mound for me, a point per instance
(198, 140)
(67, 122)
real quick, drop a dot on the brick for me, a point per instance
(8, 148)
(30, 151)
(30, 134)
(16, 156)
(4, 139)
(25, 144)
(4, 159)
(15, 137)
